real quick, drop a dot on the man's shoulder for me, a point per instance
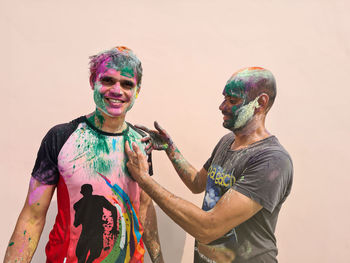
(270, 150)
(229, 137)
(62, 130)
(67, 126)
(272, 146)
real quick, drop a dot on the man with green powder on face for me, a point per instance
(246, 179)
(103, 214)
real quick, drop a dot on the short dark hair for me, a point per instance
(119, 56)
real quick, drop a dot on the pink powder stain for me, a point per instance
(35, 191)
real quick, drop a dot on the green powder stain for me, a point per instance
(96, 150)
(37, 203)
(29, 238)
(127, 72)
(235, 88)
(11, 244)
(25, 231)
(97, 119)
(98, 98)
(115, 252)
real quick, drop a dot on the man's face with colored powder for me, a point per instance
(115, 89)
(235, 108)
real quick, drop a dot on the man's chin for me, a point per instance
(227, 125)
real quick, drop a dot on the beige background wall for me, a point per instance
(189, 49)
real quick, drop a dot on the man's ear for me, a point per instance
(138, 89)
(263, 102)
(91, 79)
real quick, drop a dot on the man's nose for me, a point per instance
(116, 89)
(222, 106)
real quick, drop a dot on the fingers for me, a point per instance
(149, 148)
(160, 129)
(141, 127)
(157, 126)
(146, 139)
(128, 150)
(137, 150)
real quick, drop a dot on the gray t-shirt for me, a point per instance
(263, 172)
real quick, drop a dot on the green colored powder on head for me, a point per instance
(124, 65)
(235, 88)
(98, 98)
(127, 72)
(11, 244)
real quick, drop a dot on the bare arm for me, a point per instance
(232, 209)
(149, 222)
(159, 139)
(30, 223)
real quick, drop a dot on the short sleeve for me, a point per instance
(267, 178)
(45, 169)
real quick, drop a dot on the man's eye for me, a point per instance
(128, 84)
(107, 80)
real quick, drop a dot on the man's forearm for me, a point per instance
(151, 237)
(191, 218)
(148, 219)
(187, 173)
(24, 240)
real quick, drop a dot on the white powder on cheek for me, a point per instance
(246, 113)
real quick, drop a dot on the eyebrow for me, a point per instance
(128, 81)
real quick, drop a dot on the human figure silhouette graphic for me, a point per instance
(89, 213)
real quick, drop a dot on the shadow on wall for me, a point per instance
(172, 237)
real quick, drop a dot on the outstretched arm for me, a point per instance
(232, 209)
(159, 139)
(30, 223)
(149, 222)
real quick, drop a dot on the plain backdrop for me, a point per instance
(189, 49)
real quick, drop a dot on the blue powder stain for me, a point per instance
(114, 143)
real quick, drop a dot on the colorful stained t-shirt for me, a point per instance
(98, 201)
(263, 172)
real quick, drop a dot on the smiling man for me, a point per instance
(246, 179)
(103, 214)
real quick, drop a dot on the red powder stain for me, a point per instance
(123, 49)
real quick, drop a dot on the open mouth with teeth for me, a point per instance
(114, 102)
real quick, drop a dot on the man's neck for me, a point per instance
(107, 123)
(253, 132)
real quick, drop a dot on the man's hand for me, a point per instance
(157, 139)
(137, 163)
